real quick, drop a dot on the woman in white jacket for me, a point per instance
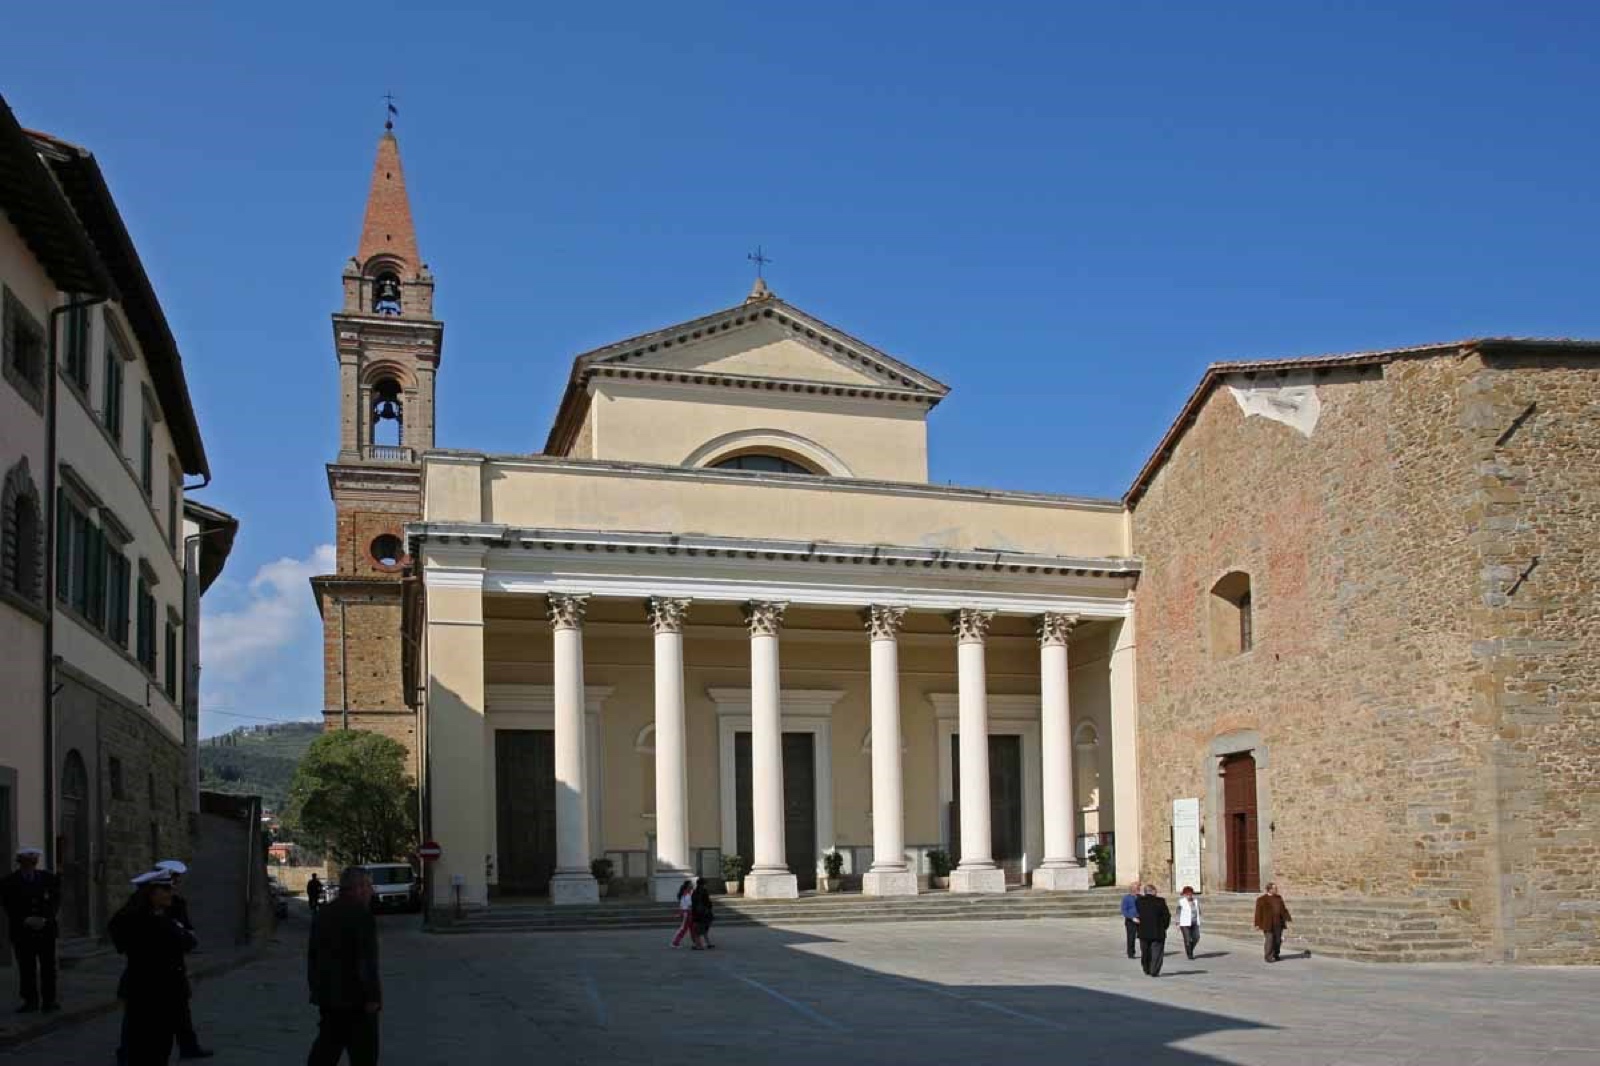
(1189, 920)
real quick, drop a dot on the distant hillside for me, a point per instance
(256, 760)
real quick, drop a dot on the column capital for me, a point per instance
(667, 614)
(883, 623)
(566, 611)
(971, 625)
(1055, 628)
(764, 618)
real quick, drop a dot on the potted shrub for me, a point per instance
(939, 867)
(732, 874)
(1102, 857)
(601, 869)
(833, 869)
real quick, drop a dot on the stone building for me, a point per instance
(94, 510)
(1363, 664)
(1368, 635)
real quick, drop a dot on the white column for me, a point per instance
(572, 881)
(1061, 871)
(889, 876)
(769, 876)
(977, 872)
(673, 863)
(1125, 754)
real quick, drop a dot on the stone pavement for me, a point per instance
(1057, 990)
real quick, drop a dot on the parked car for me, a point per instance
(395, 886)
(280, 896)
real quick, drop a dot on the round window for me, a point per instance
(387, 550)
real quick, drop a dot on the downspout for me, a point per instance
(51, 777)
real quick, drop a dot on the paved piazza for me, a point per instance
(1060, 991)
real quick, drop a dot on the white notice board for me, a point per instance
(1186, 844)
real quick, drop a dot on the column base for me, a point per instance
(888, 883)
(664, 887)
(574, 888)
(780, 885)
(991, 880)
(1066, 878)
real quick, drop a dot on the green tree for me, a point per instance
(352, 798)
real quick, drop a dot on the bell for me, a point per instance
(387, 410)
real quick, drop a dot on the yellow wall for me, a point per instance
(539, 493)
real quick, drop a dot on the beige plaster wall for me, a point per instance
(666, 423)
(764, 349)
(549, 494)
(22, 435)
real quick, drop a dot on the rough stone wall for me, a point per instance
(147, 822)
(369, 646)
(1360, 675)
(1534, 516)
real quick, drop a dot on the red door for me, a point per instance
(1241, 850)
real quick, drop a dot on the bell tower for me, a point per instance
(387, 344)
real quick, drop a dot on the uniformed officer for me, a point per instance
(156, 986)
(188, 1043)
(31, 897)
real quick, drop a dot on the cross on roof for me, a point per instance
(759, 260)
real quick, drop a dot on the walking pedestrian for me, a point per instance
(1154, 917)
(685, 915)
(31, 898)
(155, 989)
(1130, 916)
(314, 894)
(1189, 920)
(701, 914)
(188, 1043)
(342, 969)
(1272, 917)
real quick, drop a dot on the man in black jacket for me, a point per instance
(31, 897)
(342, 969)
(188, 1043)
(1154, 917)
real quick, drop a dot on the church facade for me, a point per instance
(723, 613)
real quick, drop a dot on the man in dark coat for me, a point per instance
(188, 1043)
(342, 970)
(1154, 917)
(314, 893)
(1272, 917)
(31, 897)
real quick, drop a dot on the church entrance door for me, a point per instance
(1005, 803)
(799, 804)
(1241, 827)
(525, 809)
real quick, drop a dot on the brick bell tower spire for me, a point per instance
(387, 344)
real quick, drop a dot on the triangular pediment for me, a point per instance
(766, 339)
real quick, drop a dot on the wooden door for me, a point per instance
(1005, 803)
(799, 805)
(1241, 828)
(525, 809)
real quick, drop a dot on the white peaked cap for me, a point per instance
(29, 853)
(153, 877)
(172, 866)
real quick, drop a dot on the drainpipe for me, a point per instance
(51, 777)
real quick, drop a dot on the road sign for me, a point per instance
(429, 851)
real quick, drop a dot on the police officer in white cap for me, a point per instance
(155, 988)
(31, 897)
(188, 1043)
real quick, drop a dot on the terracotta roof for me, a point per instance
(1217, 371)
(75, 168)
(39, 210)
(387, 228)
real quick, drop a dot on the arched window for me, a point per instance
(1232, 616)
(758, 461)
(388, 414)
(386, 294)
(1086, 766)
(21, 536)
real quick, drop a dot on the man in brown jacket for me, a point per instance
(1272, 915)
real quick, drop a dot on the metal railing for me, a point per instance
(388, 453)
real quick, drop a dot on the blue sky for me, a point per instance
(1062, 210)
